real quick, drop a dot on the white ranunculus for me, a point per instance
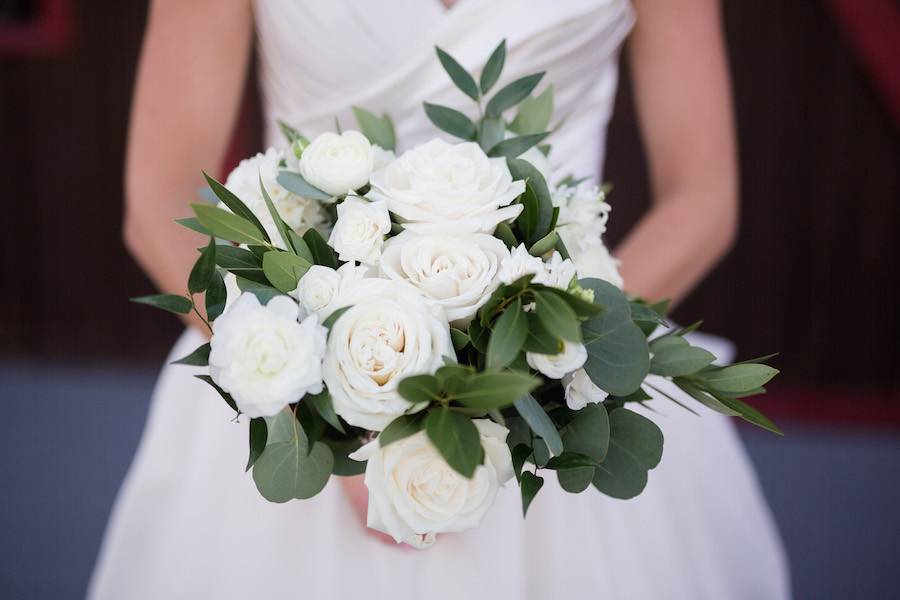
(335, 163)
(559, 272)
(581, 391)
(319, 289)
(519, 264)
(556, 366)
(415, 495)
(595, 260)
(439, 187)
(299, 213)
(459, 272)
(263, 357)
(359, 231)
(390, 332)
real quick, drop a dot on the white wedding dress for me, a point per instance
(189, 522)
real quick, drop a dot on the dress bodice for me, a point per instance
(318, 59)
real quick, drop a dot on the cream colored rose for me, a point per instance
(263, 357)
(448, 188)
(359, 231)
(336, 163)
(459, 272)
(390, 332)
(415, 495)
(319, 289)
(555, 366)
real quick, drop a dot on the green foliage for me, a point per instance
(322, 253)
(505, 234)
(400, 428)
(530, 484)
(540, 423)
(456, 438)
(534, 113)
(490, 132)
(419, 388)
(198, 358)
(259, 433)
(229, 226)
(286, 470)
(512, 94)
(284, 269)
(225, 395)
(459, 75)
(323, 405)
(216, 296)
(635, 447)
(333, 317)
(618, 356)
(514, 146)
(283, 230)
(263, 292)
(295, 183)
(557, 316)
(236, 206)
(452, 121)
(379, 130)
(203, 269)
(508, 335)
(736, 379)
(488, 389)
(193, 223)
(493, 67)
(673, 356)
(537, 215)
(545, 244)
(170, 302)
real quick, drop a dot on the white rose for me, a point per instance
(415, 495)
(263, 357)
(519, 264)
(583, 214)
(555, 366)
(359, 231)
(299, 213)
(335, 163)
(459, 272)
(581, 391)
(559, 272)
(382, 157)
(445, 188)
(390, 332)
(320, 288)
(594, 260)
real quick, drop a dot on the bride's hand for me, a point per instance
(358, 496)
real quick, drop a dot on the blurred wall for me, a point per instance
(815, 275)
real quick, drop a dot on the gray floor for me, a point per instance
(68, 435)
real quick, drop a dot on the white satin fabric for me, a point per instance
(189, 522)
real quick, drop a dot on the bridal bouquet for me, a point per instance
(444, 319)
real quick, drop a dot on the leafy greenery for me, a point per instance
(379, 130)
(284, 269)
(198, 358)
(236, 206)
(170, 302)
(493, 67)
(456, 438)
(294, 182)
(635, 447)
(459, 75)
(452, 121)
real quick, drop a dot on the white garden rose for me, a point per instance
(581, 391)
(263, 357)
(519, 264)
(556, 366)
(319, 289)
(439, 187)
(459, 272)
(299, 213)
(336, 163)
(389, 333)
(359, 231)
(415, 495)
(594, 260)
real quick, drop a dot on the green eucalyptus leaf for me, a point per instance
(452, 121)
(738, 378)
(284, 269)
(539, 339)
(203, 269)
(379, 130)
(618, 356)
(229, 226)
(294, 182)
(286, 470)
(530, 484)
(512, 94)
(460, 338)
(576, 480)
(325, 407)
(216, 297)
(676, 362)
(557, 316)
(459, 75)
(197, 358)
(508, 335)
(258, 434)
(570, 460)
(514, 146)
(490, 131)
(540, 423)
(493, 67)
(534, 113)
(456, 438)
(588, 433)
(236, 206)
(635, 447)
(170, 302)
(400, 428)
(344, 466)
(520, 454)
(322, 253)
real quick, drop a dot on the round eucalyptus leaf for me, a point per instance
(285, 471)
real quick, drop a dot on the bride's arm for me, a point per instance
(189, 83)
(683, 101)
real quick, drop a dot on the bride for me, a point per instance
(188, 523)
